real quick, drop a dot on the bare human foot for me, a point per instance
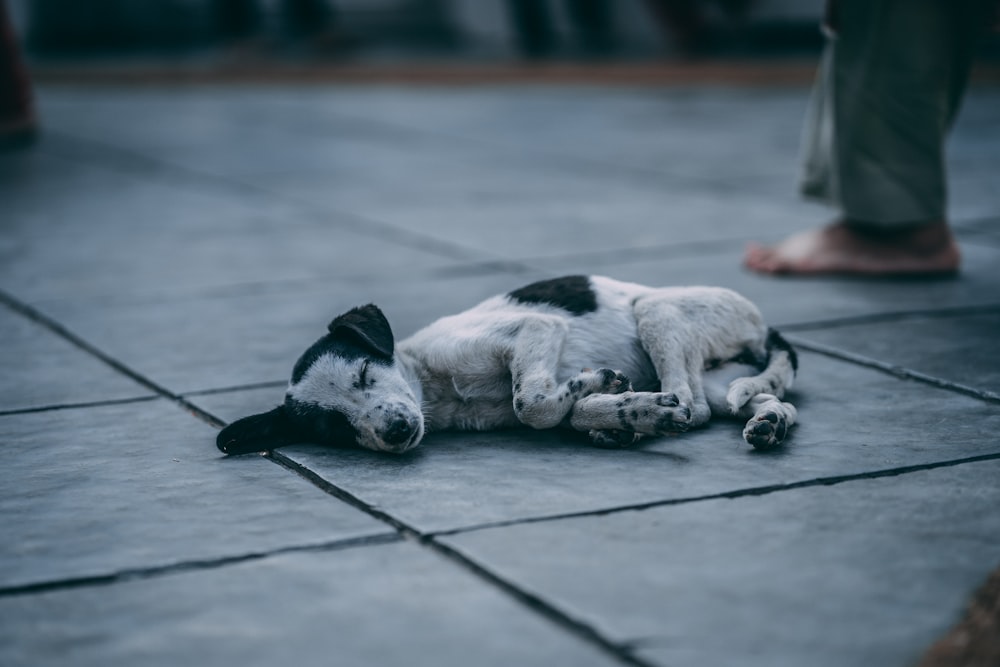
(840, 248)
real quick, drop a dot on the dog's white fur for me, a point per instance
(638, 361)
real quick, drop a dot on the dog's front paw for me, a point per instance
(612, 382)
(613, 439)
(653, 413)
(766, 430)
(672, 417)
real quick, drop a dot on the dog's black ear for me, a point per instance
(365, 325)
(257, 433)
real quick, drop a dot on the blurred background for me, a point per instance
(223, 31)
(67, 39)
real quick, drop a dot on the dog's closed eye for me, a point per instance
(363, 380)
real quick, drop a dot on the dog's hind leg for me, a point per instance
(768, 417)
(540, 400)
(678, 363)
(775, 378)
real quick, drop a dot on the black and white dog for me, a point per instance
(653, 360)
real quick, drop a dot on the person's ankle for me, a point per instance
(925, 236)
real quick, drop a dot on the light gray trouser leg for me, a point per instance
(889, 86)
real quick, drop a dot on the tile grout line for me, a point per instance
(403, 531)
(54, 327)
(896, 371)
(344, 496)
(556, 159)
(539, 263)
(544, 609)
(896, 316)
(212, 391)
(900, 372)
(78, 406)
(622, 652)
(370, 227)
(547, 610)
(725, 495)
(974, 226)
(561, 619)
(253, 287)
(191, 566)
(385, 231)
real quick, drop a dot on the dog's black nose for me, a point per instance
(399, 431)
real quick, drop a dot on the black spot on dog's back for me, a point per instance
(571, 293)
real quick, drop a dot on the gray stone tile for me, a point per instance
(868, 572)
(261, 132)
(512, 219)
(540, 179)
(958, 349)
(96, 491)
(790, 301)
(489, 192)
(41, 369)
(253, 333)
(609, 169)
(974, 156)
(850, 423)
(688, 135)
(678, 131)
(71, 187)
(77, 230)
(972, 193)
(206, 236)
(511, 172)
(390, 605)
(980, 231)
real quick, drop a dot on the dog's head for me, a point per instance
(346, 389)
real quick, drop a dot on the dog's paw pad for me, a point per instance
(667, 400)
(765, 430)
(673, 420)
(613, 439)
(613, 382)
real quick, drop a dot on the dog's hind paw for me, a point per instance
(741, 390)
(613, 439)
(766, 430)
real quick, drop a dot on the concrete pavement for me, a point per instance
(167, 251)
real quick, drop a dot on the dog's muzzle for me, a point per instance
(401, 434)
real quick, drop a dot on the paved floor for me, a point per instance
(166, 253)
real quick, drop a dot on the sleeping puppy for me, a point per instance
(612, 359)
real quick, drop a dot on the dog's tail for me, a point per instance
(777, 373)
(782, 361)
